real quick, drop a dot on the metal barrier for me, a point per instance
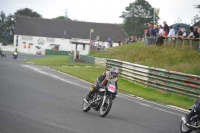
(161, 79)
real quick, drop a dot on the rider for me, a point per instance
(1, 53)
(102, 81)
(16, 51)
(194, 111)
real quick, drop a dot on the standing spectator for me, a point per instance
(1, 53)
(160, 35)
(184, 34)
(199, 38)
(156, 29)
(91, 45)
(110, 42)
(171, 33)
(145, 37)
(191, 33)
(150, 34)
(119, 42)
(132, 38)
(178, 32)
(166, 28)
(196, 34)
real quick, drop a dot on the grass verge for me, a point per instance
(180, 59)
(56, 61)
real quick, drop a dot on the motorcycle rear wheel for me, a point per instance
(184, 128)
(104, 109)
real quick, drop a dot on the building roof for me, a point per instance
(68, 29)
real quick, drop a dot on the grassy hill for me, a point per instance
(181, 59)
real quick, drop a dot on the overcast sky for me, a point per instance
(103, 11)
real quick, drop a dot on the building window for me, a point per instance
(27, 38)
(50, 40)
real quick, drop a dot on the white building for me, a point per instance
(33, 33)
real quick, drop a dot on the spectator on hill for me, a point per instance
(178, 32)
(119, 42)
(110, 42)
(145, 37)
(184, 34)
(191, 32)
(171, 33)
(196, 34)
(160, 35)
(166, 28)
(156, 29)
(1, 53)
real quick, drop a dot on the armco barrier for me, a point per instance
(54, 52)
(87, 59)
(161, 79)
(90, 60)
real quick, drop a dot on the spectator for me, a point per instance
(156, 29)
(1, 53)
(196, 34)
(184, 34)
(160, 35)
(145, 37)
(191, 33)
(151, 34)
(166, 28)
(132, 39)
(110, 42)
(119, 42)
(171, 33)
(178, 32)
(128, 40)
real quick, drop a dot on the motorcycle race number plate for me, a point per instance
(111, 88)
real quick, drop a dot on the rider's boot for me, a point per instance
(187, 117)
(89, 95)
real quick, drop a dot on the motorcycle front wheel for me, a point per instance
(184, 128)
(86, 106)
(104, 109)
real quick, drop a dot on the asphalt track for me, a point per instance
(35, 99)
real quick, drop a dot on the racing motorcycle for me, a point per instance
(15, 55)
(193, 125)
(101, 100)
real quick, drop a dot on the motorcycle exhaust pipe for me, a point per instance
(187, 124)
(91, 102)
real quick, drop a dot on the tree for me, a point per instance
(2, 26)
(27, 13)
(62, 18)
(137, 17)
(197, 6)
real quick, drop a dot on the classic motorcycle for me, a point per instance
(193, 125)
(101, 100)
(15, 55)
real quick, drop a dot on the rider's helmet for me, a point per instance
(114, 72)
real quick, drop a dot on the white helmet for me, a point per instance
(114, 72)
